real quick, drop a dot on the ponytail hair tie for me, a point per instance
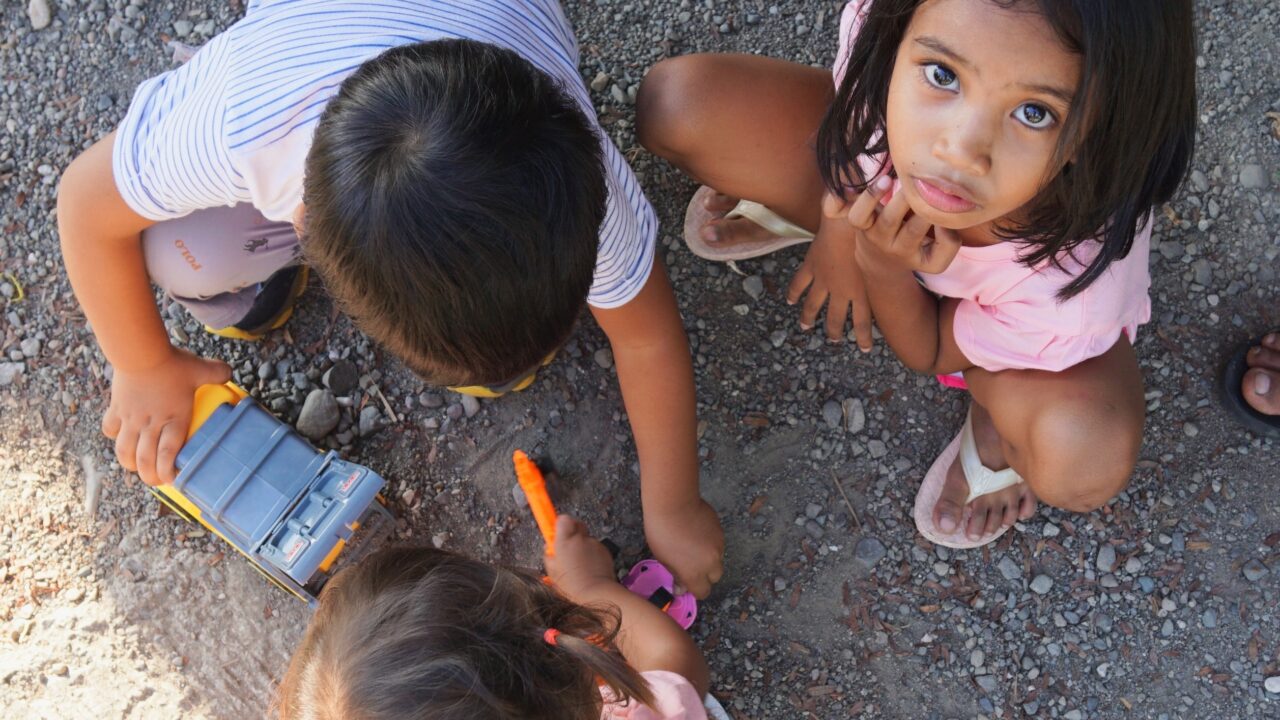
(550, 636)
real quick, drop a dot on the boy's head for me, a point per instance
(453, 198)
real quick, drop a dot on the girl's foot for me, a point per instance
(752, 231)
(729, 232)
(993, 510)
(1261, 385)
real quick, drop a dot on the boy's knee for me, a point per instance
(665, 104)
(1083, 456)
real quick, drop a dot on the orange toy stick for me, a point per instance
(535, 491)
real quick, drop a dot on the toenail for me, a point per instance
(1261, 383)
(1270, 339)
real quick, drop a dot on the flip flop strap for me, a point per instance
(982, 479)
(768, 219)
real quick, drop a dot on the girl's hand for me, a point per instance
(150, 412)
(830, 276)
(888, 237)
(580, 562)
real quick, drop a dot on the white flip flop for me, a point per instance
(982, 481)
(785, 233)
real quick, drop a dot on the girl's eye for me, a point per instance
(1034, 116)
(939, 76)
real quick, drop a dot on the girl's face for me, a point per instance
(976, 103)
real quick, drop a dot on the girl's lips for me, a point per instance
(942, 200)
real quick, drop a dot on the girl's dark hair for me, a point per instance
(1126, 144)
(454, 195)
(423, 634)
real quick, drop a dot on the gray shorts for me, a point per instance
(213, 261)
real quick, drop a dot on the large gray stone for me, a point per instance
(319, 415)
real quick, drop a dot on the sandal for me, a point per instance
(1229, 394)
(785, 233)
(982, 481)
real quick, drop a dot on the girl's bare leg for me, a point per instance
(742, 124)
(1073, 435)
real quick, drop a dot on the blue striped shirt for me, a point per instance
(235, 123)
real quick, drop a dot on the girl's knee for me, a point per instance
(1081, 457)
(666, 105)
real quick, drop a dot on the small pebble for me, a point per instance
(1253, 177)
(1106, 558)
(1255, 570)
(1042, 584)
(1009, 568)
(470, 405)
(869, 551)
(832, 413)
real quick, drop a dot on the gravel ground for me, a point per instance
(1161, 605)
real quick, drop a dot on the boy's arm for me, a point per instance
(153, 383)
(655, 372)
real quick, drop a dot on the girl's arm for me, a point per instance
(655, 373)
(890, 251)
(648, 639)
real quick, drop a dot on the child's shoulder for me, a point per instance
(674, 698)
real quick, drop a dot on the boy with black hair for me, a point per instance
(442, 164)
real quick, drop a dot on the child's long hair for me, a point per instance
(417, 633)
(1125, 147)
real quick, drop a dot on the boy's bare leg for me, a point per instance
(741, 124)
(1073, 435)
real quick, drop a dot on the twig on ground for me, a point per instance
(853, 514)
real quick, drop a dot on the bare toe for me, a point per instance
(1263, 356)
(720, 203)
(730, 232)
(1261, 389)
(979, 521)
(1026, 504)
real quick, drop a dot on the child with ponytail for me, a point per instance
(418, 633)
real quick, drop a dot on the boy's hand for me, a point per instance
(150, 412)
(580, 562)
(889, 238)
(690, 542)
(830, 276)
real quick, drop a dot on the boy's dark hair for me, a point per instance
(454, 195)
(423, 634)
(1126, 144)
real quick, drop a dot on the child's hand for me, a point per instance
(888, 237)
(580, 562)
(690, 543)
(150, 412)
(830, 276)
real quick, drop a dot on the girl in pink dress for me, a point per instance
(422, 634)
(980, 177)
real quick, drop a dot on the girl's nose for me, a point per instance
(965, 145)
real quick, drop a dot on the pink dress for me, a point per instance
(674, 698)
(1008, 316)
